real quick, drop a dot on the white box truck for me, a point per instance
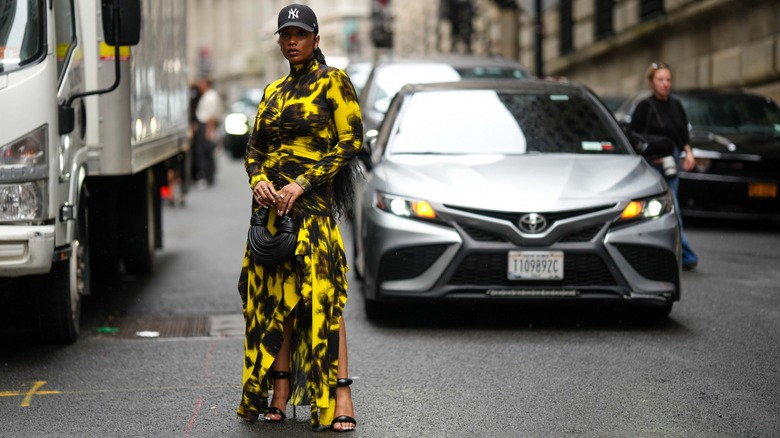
(93, 100)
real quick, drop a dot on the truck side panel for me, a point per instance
(153, 127)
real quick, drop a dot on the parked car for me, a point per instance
(389, 75)
(358, 73)
(613, 102)
(735, 138)
(512, 190)
(240, 120)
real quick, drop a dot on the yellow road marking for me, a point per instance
(34, 390)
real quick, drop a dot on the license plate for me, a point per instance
(762, 190)
(535, 265)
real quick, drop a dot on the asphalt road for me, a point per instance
(710, 370)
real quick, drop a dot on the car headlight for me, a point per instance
(23, 201)
(405, 207)
(23, 174)
(648, 208)
(236, 124)
(27, 152)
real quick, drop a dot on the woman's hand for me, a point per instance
(287, 197)
(689, 162)
(265, 194)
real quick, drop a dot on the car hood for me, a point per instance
(553, 182)
(763, 145)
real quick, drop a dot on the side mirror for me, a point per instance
(653, 147)
(121, 22)
(368, 147)
(121, 27)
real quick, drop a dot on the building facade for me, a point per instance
(608, 44)
(605, 44)
(233, 41)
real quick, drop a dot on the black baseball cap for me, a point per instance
(297, 15)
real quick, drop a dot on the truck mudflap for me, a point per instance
(26, 249)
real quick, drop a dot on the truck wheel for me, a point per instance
(138, 223)
(59, 292)
(59, 303)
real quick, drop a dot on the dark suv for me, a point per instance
(736, 142)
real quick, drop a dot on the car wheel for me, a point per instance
(355, 264)
(375, 310)
(655, 312)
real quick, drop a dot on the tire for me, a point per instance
(59, 292)
(655, 313)
(138, 224)
(374, 310)
(355, 264)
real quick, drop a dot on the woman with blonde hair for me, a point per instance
(663, 114)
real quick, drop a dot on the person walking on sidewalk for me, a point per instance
(208, 113)
(663, 114)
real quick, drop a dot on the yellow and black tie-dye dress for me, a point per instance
(308, 128)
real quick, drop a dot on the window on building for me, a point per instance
(649, 9)
(567, 25)
(604, 10)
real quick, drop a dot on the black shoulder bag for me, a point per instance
(268, 249)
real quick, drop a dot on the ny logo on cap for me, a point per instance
(292, 14)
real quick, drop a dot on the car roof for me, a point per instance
(531, 85)
(707, 92)
(457, 61)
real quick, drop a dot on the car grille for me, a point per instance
(408, 262)
(488, 269)
(653, 263)
(551, 217)
(581, 235)
(481, 235)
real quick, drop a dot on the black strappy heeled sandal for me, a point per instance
(276, 375)
(343, 418)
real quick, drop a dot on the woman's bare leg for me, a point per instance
(282, 363)
(344, 404)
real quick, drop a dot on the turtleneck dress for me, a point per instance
(308, 127)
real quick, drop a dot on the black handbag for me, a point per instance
(268, 249)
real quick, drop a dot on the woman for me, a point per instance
(308, 130)
(662, 114)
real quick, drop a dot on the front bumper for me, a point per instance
(412, 260)
(26, 249)
(727, 197)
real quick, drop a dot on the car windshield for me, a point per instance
(495, 122)
(491, 73)
(391, 78)
(733, 114)
(21, 31)
(247, 102)
(358, 74)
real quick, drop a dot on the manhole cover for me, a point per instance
(157, 327)
(135, 327)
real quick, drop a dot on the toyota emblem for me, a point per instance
(532, 223)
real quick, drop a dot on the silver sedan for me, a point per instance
(512, 190)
